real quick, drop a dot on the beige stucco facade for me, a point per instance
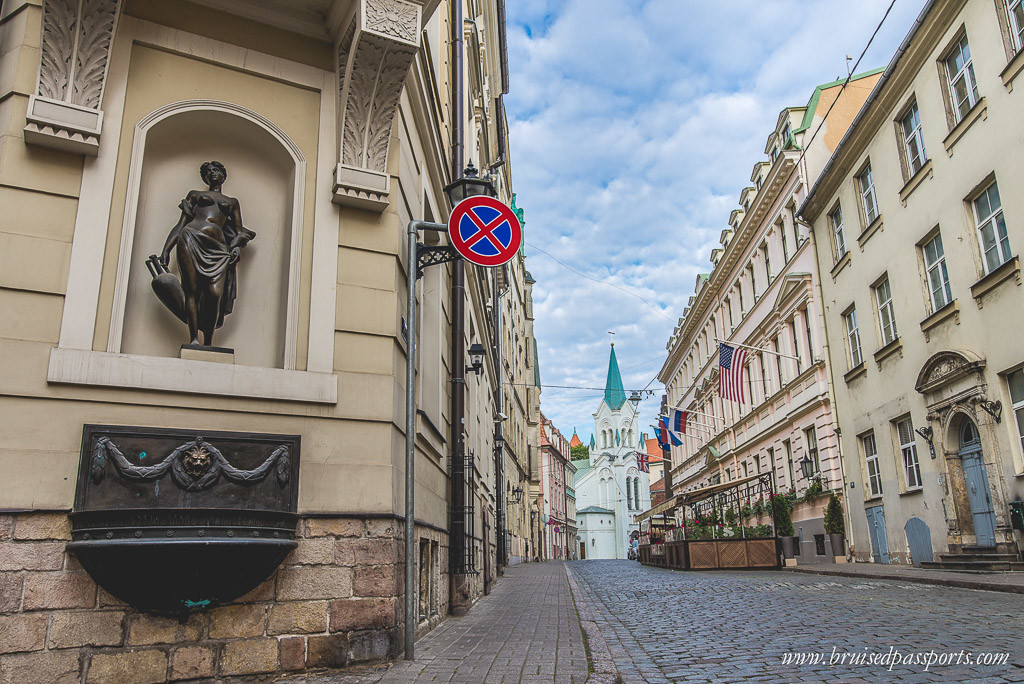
(333, 119)
(921, 307)
(763, 293)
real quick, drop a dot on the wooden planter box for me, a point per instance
(732, 553)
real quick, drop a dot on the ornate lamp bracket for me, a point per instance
(432, 255)
(375, 51)
(65, 111)
(992, 408)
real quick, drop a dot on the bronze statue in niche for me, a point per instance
(208, 241)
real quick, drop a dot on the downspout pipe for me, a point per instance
(457, 522)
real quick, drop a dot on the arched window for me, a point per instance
(636, 491)
(616, 438)
(629, 495)
(968, 432)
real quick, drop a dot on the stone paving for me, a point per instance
(670, 626)
(526, 630)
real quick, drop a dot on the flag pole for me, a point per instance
(763, 351)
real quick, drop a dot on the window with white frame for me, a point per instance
(913, 139)
(869, 202)
(787, 133)
(1015, 10)
(629, 494)
(1015, 381)
(835, 219)
(853, 337)
(908, 450)
(766, 257)
(938, 276)
(963, 86)
(886, 315)
(995, 244)
(874, 483)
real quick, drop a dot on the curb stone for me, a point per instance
(923, 579)
(605, 671)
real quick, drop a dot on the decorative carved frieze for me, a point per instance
(65, 112)
(375, 52)
(945, 367)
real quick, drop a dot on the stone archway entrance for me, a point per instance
(976, 481)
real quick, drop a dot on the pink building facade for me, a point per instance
(558, 519)
(763, 293)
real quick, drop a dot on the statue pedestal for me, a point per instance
(199, 352)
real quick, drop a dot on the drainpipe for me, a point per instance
(499, 429)
(457, 524)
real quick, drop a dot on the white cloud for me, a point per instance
(633, 127)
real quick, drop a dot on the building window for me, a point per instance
(789, 462)
(963, 87)
(811, 435)
(636, 492)
(1016, 12)
(886, 315)
(810, 339)
(629, 494)
(871, 460)
(913, 139)
(835, 219)
(775, 152)
(778, 360)
(767, 262)
(853, 338)
(1015, 380)
(866, 184)
(908, 449)
(938, 277)
(765, 387)
(787, 133)
(753, 281)
(988, 212)
(781, 227)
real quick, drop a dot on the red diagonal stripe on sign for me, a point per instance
(485, 230)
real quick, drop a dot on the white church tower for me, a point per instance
(610, 488)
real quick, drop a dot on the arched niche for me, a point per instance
(266, 173)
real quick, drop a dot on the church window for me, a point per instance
(636, 491)
(616, 438)
(629, 496)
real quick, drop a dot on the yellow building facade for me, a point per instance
(334, 122)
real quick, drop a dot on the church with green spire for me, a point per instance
(610, 487)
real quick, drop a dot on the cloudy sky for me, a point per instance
(634, 125)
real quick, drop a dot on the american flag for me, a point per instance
(643, 462)
(730, 372)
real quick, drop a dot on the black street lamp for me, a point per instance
(470, 185)
(807, 467)
(476, 358)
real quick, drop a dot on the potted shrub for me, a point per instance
(783, 525)
(834, 526)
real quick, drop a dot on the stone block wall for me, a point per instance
(335, 601)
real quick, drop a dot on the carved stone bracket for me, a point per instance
(375, 52)
(65, 111)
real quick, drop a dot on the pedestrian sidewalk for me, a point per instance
(526, 630)
(1012, 582)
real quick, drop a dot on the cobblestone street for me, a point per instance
(669, 626)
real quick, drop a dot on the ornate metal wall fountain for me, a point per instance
(175, 521)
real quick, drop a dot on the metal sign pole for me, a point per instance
(412, 273)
